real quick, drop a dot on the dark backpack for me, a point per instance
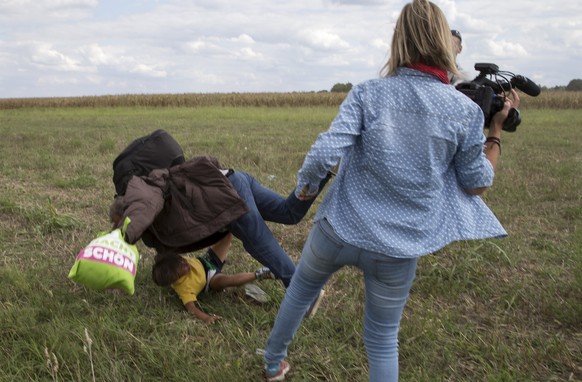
(156, 150)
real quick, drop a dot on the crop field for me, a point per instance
(552, 99)
(492, 310)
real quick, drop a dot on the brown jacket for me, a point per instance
(183, 208)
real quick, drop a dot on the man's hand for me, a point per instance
(306, 195)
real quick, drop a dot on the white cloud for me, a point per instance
(42, 10)
(200, 45)
(244, 39)
(449, 7)
(45, 56)
(380, 44)
(56, 80)
(505, 49)
(324, 39)
(249, 53)
(357, 2)
(96, 55)
(148, 70)
(77, 47)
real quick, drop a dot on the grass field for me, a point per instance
(494, 310)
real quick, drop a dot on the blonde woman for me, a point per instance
(414, 161)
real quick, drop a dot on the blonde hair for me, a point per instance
(421, 36)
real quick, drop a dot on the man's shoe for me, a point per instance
(276, 372)
(315, 305)
(257, 294)
(264, 273)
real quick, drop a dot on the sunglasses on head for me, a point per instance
(456, 33)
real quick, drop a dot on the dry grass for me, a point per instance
(183, 100)
(505, 310)
(550, 99)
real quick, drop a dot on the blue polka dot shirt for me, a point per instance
(409, 146)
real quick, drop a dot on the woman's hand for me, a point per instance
(511, 101)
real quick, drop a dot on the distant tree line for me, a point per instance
(573, 86)
(341, 88)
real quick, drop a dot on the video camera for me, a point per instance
(488, 88)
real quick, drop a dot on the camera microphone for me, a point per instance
(488, 88)
(526, 85)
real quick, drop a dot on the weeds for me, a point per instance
(52, 364)
(44, 219)
(87, 342)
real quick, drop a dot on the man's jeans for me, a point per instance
(266, 205)
(387, 282)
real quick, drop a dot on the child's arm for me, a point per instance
(200, 314)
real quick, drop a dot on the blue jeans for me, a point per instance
(387, 282)
(266, 205)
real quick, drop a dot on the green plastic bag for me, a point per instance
(108, 262)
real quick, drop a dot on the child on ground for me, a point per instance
(192, 276)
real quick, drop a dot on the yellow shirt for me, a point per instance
(189, 286)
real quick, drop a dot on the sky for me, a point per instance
(70, 48)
